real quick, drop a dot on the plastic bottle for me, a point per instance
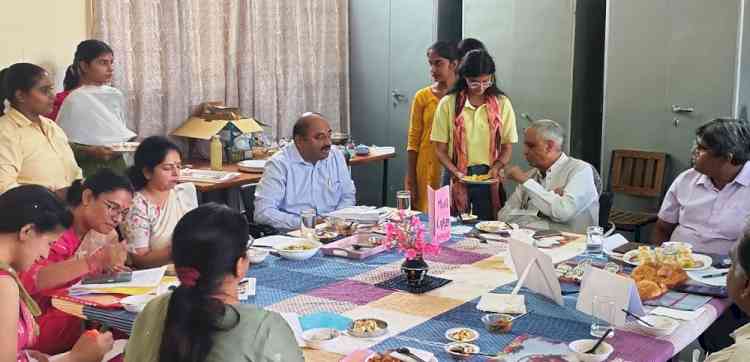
(216, 153)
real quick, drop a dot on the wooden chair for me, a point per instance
(636, 173)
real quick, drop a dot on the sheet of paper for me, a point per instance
(613, 241)
(599, 282)
(542, 277)
(439, 214)
(502, 303)
(146, 278)
(678, 314)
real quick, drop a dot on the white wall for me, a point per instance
(44, 32)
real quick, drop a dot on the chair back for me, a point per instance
(605, 206)
(247, 193)
(637, 173)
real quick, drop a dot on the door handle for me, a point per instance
(397, 97)
(682, 109)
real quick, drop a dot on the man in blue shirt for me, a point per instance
(306, 174)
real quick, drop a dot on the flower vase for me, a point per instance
(415, 271)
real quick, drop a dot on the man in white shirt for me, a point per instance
(738, 288)
(559, 192)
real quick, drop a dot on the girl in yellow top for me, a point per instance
(474, 130)
(423, 166)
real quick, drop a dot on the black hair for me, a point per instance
(86, 51)
(149, 154)
(104, 180)
(33, 204)
(726, 137)
(468, 44)
(19, 76)
(445, 49)
(302, 125)
(210, 239)
(474, 64)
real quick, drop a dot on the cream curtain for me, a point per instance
(273, 58)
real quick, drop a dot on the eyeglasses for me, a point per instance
(115, 211)
(477, 84)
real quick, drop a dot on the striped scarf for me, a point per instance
(459, 190)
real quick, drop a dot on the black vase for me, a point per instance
(415, 271)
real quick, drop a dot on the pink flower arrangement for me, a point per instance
(409, 237)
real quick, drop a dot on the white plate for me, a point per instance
(720, 281)
(495, 226)
(474, 334)
(631, 258)
(460, 229)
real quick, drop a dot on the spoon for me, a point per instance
(601, 339)
(407, 352)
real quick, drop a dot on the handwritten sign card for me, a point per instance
(439, 213)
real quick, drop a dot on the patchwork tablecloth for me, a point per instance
(348, 287)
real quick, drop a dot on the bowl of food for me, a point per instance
(325, 236)
(339, 138)
(498, 322)
(461, 334)
(367, 328)
(581, 346)
(256, 255)
(662, 326)
(299, 249)
(136, 303)
(461, 351)
(318, 338)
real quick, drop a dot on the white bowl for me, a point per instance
(318, 338)
(471, 348)
(256, 255)
(663, 326)
(283, 251)
(604, 350)
(136, 303)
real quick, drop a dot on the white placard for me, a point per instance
(599, 282)
(537, 267)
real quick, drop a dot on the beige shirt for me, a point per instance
(34, 153)
(737, 352)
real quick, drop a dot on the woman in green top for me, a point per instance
(203, 320)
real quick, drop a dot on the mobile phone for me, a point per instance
(122, 277)
(624, 248)
(702, 289)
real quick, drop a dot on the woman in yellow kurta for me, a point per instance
(474, 132)
(424, 169)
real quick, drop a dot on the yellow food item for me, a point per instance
(645, 255)
(365, 326)
(477, 178)
(298, 247)
(462, 335)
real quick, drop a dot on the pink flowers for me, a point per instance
(409, 237)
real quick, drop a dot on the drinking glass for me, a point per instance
(594, 236)
(307, 227)
(603, 313)
(403, 200)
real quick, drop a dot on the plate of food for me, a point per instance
(461, 351)
(479, 179)
(367, 328)
(495, 226)
(300, 249)
(326, 236)
(124, 147)
(462, 334)
(688, 260)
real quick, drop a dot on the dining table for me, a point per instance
(356, 289)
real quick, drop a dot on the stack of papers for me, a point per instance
(142, 282)
(207, 176)
(362, 214)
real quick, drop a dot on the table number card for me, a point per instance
(598, 282)
(439, 213)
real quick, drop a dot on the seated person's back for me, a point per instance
(306, 174)
(707, 205)
(560, 189)
(203, 320)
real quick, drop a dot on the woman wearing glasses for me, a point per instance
(89, 247)
(159, 202)
(474, 130)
